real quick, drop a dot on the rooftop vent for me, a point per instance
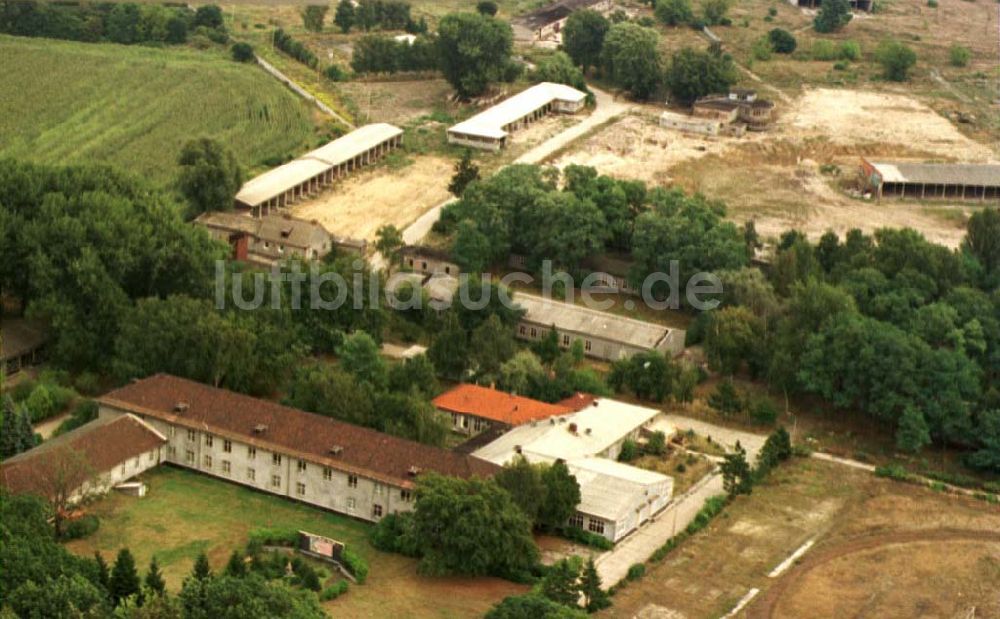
(588, 431)
(286, 232)
(552, 421)
(562, 420)
(413, 471)
(572, 428)
(517, 449)
(259, 428)
(180, 407)
(594, 404)
(336, 450)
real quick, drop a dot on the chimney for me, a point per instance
(572, 428)
(181, 407)
(336, 450)
(259, 428)
(413, 471)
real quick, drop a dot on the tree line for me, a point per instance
(124, 23)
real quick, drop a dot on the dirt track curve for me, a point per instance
(764, 606)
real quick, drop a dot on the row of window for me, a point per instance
(135, 462)
(594, 526)
(523, 330)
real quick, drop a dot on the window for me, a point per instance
(251, 453)
(189, 456)
(123, 468)
(191, 435)
(447, 270)
(351, 504)
(478, 425)
(596, 526)
(276, 481)
(208, 440)
(379, 489)
(276, 459)
(135, 462)
(423, 265)
(352, 481)
(576, 520)
(586, 345)
(376, 511)
(227, 446)
(208, 462)
(225, 466)
(534, 332)
(152, 456)
(405, 495)
(565, 340)
(327, 473)
(302, 466)
(251, 474)
(521, 329)
(300, 489)
(173, 431)
(171, 451)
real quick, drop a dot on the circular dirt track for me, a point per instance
(766, 605)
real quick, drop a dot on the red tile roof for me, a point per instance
(578, 401)
(496, 405)
(289, 431)
(67, 461)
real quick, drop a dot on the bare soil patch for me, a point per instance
(382, 195)
(397, 101)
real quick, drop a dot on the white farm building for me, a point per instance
(488, 130)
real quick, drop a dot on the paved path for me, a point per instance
(48, 426)
(641, 544)
(727, 437)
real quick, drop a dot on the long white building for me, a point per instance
(489, 129)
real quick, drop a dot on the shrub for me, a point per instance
(932, 4)
(959, 56)
(84, 412)
(629, 451)
(334, 591)
(636, 571)
(587, 538)
(896, 59)
(22, 390)
(725, 399)
(335, 74)
(772, 12)
(782, 41)
(87, 383)
(274, 536)
(357, 566)
(389, 535)
(761, 49)
(823, 49)
(850, 50)
(680, 468)
(893, 471)
(295, 49)
(763, 411)
(81, 527)
(242, 52)
(46, 400)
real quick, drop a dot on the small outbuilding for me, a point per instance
(546, 23)
(474, 409)
(270, 239)
(22, 344)
(932, 181)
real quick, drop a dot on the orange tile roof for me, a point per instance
(496, 405)
(578, 401)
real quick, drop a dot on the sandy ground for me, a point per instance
(774, 177)
(853, 117)
(361, 204)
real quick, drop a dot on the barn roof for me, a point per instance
(939, 173)
(490, 123)
(586, 321)
(278, 180)
(496, 405)
(20, 336)
(552, 12)
(290, 431)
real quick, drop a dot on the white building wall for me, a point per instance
(353, 495)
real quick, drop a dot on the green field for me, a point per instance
(63, 102)
(185, 514)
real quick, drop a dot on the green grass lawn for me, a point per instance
(65, 102)
(186, 513)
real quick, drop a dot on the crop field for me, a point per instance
(882, 549)
(63, 102)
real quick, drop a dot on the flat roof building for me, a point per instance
(306, 175)
(615, 498)
(489, 129)
(933, 181)
(604, 335)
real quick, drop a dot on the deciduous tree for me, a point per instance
(210, 175)
(631, 58)
(583, 37)
(474, 50)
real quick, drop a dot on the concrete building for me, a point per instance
(489, 129)
(87, 461)
(22, 344)
(546, 23)
(690, 124)
(604, 335)
(310, 173)
(741, 105)
(269, 239)
(428, 260)
(932, 181)
(615, 498)
(474, 409)
(284, 451)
